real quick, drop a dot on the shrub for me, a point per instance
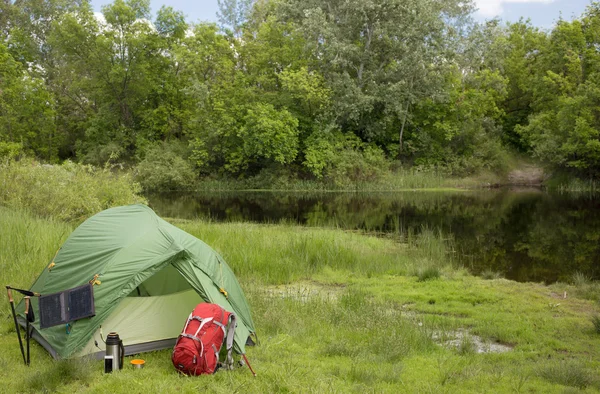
(163, 168)
(68, 192)
(343, 159)
(10, 150)
(580, 279)
(101, 154)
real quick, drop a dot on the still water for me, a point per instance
(525, 235)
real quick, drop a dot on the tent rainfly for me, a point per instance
(149, 276)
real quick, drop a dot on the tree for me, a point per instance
(378, 58)
(233, 13)
(564, 128)
(517, 51)
(27, 109)
(462, 131)
(114, 76)
(29, 23)
(269, 133)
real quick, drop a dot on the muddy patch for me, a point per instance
(462, 339)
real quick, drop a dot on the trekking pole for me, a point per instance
(25, 292)
(27, 326)
(248, 364)
(12, 307)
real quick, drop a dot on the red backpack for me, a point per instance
(197, 348)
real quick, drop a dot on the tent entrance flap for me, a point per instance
(146, 319)
(166, 281)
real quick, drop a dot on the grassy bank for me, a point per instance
(397, 180)
(73, 191)
(565, 183)
(341, 312)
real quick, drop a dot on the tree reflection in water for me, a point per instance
(525, 236)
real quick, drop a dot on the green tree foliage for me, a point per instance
(342, 159)
(27, 25)
(27, 109)
(165, 167)
(333, 90)
(378, 57)
(270, 134)
(521, 59)
(564, 128)
(233, 13)
(461, 132)
(118, 81)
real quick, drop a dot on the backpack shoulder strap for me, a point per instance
(229, 342)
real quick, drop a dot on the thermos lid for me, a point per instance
(113, 339)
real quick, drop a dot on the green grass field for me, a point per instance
(340, 312)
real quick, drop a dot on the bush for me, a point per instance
(164, 168)
(102, 154)
(10, 151)
(276, 177)
(68, 192)
(343, 159)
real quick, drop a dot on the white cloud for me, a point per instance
(492, 8)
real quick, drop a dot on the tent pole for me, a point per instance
(27, 327)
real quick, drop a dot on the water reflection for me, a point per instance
(525, 235)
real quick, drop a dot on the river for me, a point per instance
(523, 235)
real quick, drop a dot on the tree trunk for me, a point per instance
(402, 128)
(361, 67)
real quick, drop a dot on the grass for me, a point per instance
(585, 288)
(27, 244)
(276, 254)
(401, 179)
(564, 182)
(596, 322)
(340, 312)
(569, 373)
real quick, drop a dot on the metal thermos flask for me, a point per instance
(115, 352)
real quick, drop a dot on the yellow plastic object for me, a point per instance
(95, 280)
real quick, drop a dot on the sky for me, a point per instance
(543, 13)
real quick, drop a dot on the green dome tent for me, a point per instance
(150, 275)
